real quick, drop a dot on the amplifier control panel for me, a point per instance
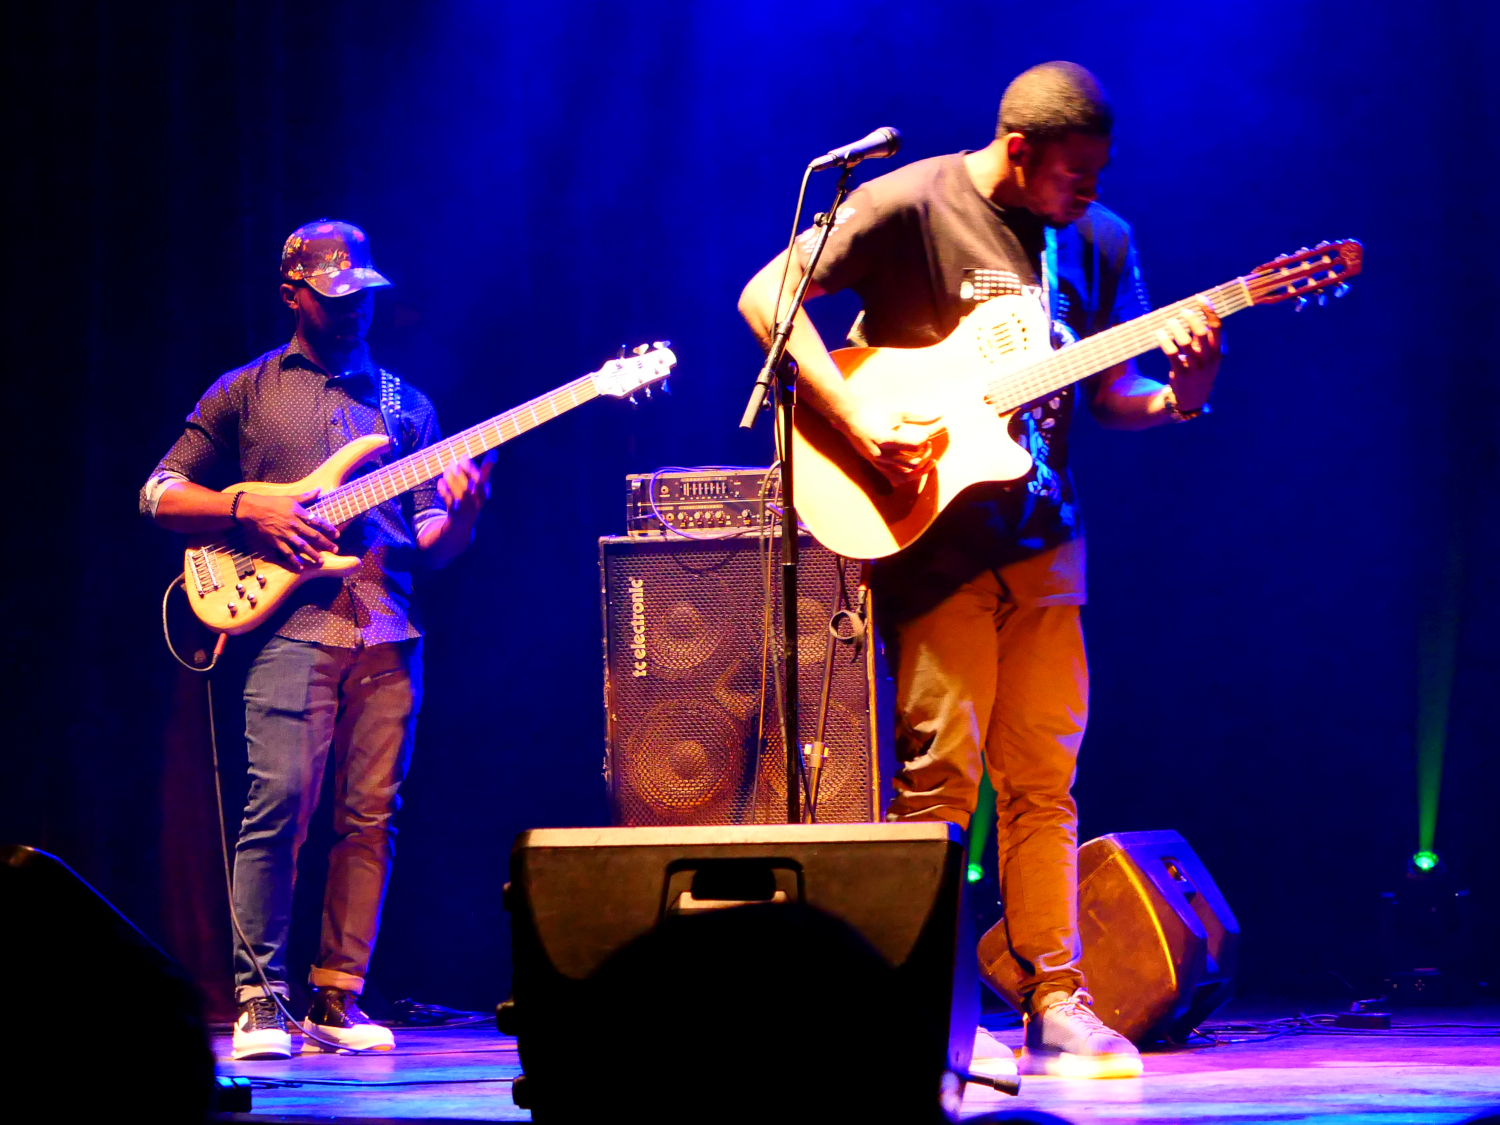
(688, 502)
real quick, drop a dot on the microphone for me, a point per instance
(880, 143)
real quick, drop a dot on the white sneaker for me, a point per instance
(1068, 1041)
(335, 1016)
(991, 1058)
(260, 1031)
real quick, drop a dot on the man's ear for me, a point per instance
(1017, 149)
(289, 295)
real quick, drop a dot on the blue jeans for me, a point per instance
(301, 699)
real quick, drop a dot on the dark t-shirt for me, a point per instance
(921, 246)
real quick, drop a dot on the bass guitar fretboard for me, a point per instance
(363, 493)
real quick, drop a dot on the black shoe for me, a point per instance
(260, 1031)
(335, 1015)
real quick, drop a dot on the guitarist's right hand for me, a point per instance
(297, 534)
(896, 443)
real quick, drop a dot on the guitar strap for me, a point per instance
(1049, 274)
(390, 409)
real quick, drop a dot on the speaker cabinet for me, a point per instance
(70, 965)
(791, 970)
(1159, 941)
(691, 657)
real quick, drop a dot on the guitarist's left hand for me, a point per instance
(1194, 345)
(464, 487)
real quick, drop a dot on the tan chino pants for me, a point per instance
(987, 679)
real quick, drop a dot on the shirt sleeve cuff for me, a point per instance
(151, 494)
(426, 516)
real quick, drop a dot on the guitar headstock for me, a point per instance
(1326, 266)
(647, 364)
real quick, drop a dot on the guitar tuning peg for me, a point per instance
(1303, 250)
(623, 351)
(1298, 307)
(631, 400)
(648, 391)
(1322, 299)
(662, 344)
(1340, 289)
(666, 384)
(639, 349)
(1321, 244)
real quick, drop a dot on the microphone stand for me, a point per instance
(784, 375)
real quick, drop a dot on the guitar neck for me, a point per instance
(363, 493)
(1103, 350)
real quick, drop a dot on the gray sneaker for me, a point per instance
(1067, 1040)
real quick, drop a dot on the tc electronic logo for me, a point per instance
(638, 625)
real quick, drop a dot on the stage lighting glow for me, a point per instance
(1437, 651)
(979, 828)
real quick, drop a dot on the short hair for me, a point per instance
(1052, 100)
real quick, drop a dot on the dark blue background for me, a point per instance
(544, 182)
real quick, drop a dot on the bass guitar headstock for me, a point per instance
(1319, 270)
(646, 365)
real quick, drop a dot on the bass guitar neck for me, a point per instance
(234, 581)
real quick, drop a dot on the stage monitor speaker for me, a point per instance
(99, 1016)
(1159, 941)
(684, 681)
(786, 972)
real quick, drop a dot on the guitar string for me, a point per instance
(363, 493)
(1068, 365)
(1016, 388)
(1134, 337)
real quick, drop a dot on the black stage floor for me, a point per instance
(1434, 1066)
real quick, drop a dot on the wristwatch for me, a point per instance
(1179, 415)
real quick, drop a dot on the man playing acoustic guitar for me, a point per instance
(340, 665)
(981, 614)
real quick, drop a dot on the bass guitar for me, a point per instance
(997, 360)
(233, 584)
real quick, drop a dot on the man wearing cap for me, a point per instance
(340, 665)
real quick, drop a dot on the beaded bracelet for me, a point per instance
(234, 507)
(1179, 415)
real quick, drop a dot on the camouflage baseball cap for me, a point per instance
(333, 258)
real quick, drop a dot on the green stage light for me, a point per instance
(1437, 652)
(979, 828)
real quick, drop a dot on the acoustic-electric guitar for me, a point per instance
(234, 584)
(997, 360)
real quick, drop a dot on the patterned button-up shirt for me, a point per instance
(277, 419)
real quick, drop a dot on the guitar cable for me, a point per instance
(166, 634)
(213, 743)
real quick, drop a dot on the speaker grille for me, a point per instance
(684, 651)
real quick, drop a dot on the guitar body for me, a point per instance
(848, 504)
(234, 590)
